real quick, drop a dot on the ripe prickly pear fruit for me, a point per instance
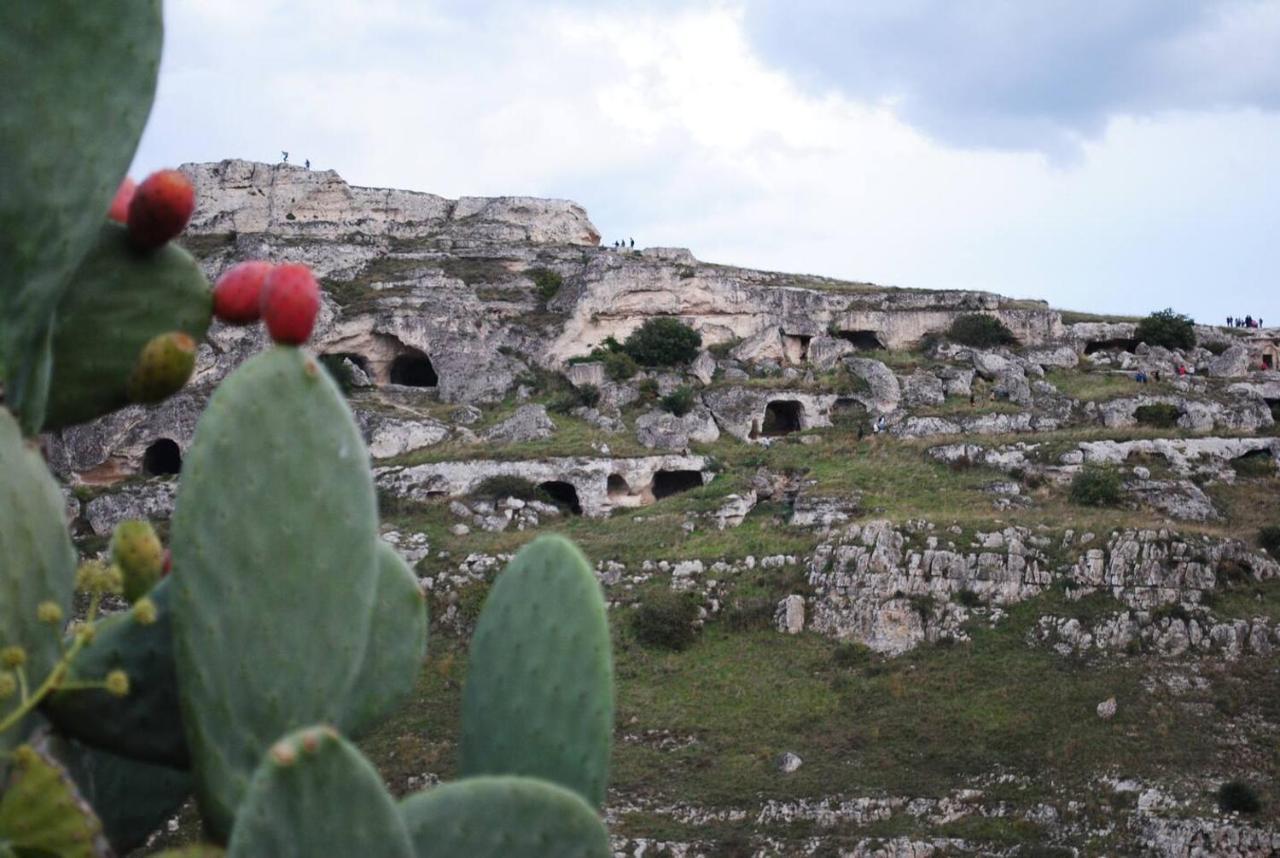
(167, 566)
(237, 296)
(136, 549)
(119, 211)
(160, 209)
(165, 364)
(290, 302)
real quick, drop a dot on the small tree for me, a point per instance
(1238, 797)
(666, 620)
(1095, 486)
(679, 401)
(663, 341)
(980, 331)
(547, 281)
(1166, 328)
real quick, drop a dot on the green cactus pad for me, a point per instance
(273, 541)
(539, 694)
(314, 794)
(145, 724)
(132, 799)
(80, 78)
(41, 813)
(499, 817)
(37, 562)
(117, 302)
(195, 850)
(396, 648)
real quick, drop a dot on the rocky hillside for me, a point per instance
(857, 609)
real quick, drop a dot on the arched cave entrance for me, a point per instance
(1255, 463)
(1274, 404)
(847, 411)
(617, 486)
(1121, 345)
(163, 457)
(1269, 361)
(782, 417)
(796, 347)
(862, 340)
(413, 369)
(563, 494)
(667, 483)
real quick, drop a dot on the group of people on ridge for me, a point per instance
(1246, 322)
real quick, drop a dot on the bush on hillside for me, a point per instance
(619, 366)
(1166, 328)
(663, 341)
(666, 620)
(678, 402)
(547, 281)
(1238, 797)
(505, 486)
(340, 371)
(1095, 486)
(1160, 414)
(584, 396)
(1269, 538)
(980, 331)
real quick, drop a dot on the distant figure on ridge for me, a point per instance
(307, 163)
(1228, 321)
(284, 157)
(633, 244)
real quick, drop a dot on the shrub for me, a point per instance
(547, 281)
(1269, 538)
(340, 371)
(508, 486)
(663, 341)
(665, 620)
(1095, 486)
(619, 366)
(679, 401)
(648, 388)
(1160, 414)
(980, 331)
(1166, 328)
(968, 598)
(1238, 797)
(1257, 464)
(586, 396)
(851, 654)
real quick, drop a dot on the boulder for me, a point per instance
(886, 393)
(826, 352)
(661, 430)
(529, 423)
(1233, 363)
(703, 368)
(923, 388)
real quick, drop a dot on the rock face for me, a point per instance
(663, 431)
(750, 414)
(529, 423)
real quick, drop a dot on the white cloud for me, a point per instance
(669, 126)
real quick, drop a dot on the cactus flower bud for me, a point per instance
(137, 551)
(49, 613)
(163, 366)
(8, 685)
(144, 611)
(117, 683)
(13, 656)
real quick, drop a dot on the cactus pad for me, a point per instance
(274, 545)
(539, 693)
(42, 814)
(496, 817)
(119, 301)
(69, 126)
(397, 644)
(145, 724)
(314, 794)
(37, 562)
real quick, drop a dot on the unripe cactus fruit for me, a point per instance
(290, 302)
(119, 211)
(237, 296)
(137, 551)
(160, 209)
(165, 364)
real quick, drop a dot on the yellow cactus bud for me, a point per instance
(13, 656)
(145, 611)
(8, 685)
(24, 756)
(113, 580)
(49, 613)
(117, 683)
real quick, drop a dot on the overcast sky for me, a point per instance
(1107, 155)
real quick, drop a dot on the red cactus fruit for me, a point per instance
(237, 296)
(160, 208)
(167, 566)
(290, 302)
(119, 211)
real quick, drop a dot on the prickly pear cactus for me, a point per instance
(42, 814)
(273, 543)
(497, 817)
(396, 648)
(37, 562)
(315, 794)
(539, 693)
(68, 131)
(117, 302)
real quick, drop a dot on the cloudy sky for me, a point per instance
(1107, 155)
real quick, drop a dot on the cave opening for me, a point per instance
(1122, 345)
(667, 483)
(617, 486)
(1269, 361)
(861, 340)
(1274, 405)
(782, 417)
(162, 458)
(847, 411)
(413, 369)
(562, 494)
